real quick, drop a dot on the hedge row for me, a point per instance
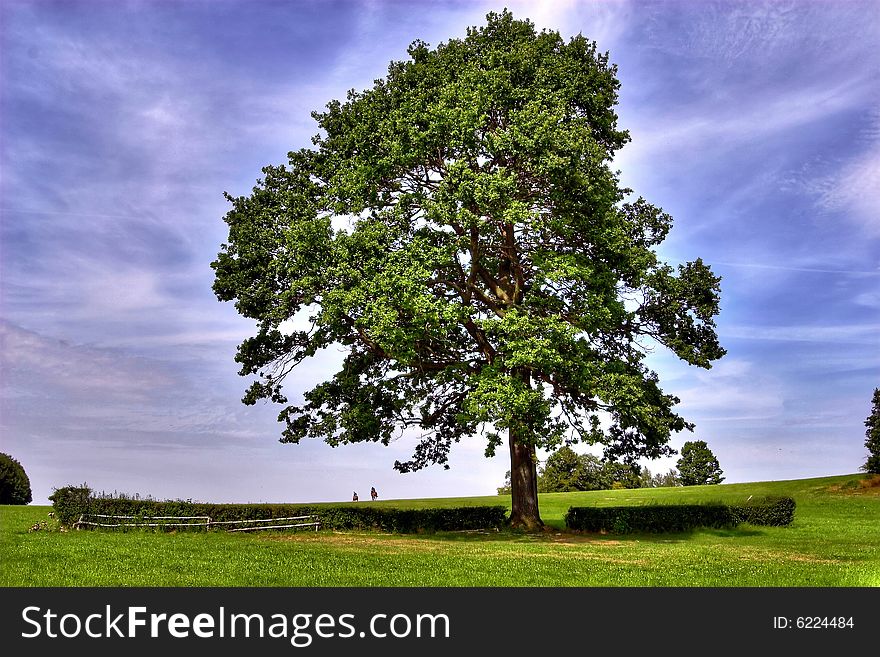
(774, 511)
(654, 518)
(71, 502)
(770, 511)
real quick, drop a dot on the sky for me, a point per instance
(756, 125)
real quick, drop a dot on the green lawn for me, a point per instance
(834, 541)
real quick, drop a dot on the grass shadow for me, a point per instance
(554, 535)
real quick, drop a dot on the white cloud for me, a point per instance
(718, 126)
(732, 391)
(37, 364)
(854, 191)
(548, 14)
(866, 334)
(810, 267)
(109, 392)
(602, 21)
(869, 299)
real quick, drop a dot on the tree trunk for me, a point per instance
(523, 485)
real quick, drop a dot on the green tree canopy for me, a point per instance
(458, 231)
(15, 486)
(664, 480)
(565, 470)
(698, 465)
(872, 436)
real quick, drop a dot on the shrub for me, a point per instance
(15, 487)
(70, 502)
(652, 518)
(655, 518)
(871, 481)
(769, 511)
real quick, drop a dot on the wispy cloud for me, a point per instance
(602, 21)
(733, 391)
(716, 127)
(862, 334)
(851, 192)
(93, 387)
(795, 268)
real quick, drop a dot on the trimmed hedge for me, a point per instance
(656, 518)
(767, 511)
(71, 502)
(653, 518)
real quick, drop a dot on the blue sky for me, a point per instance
(756, 125)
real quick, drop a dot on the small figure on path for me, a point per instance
(373, 493)
(354, 497)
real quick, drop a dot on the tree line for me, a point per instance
(566, 471)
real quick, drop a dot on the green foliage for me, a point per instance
(561, 472)
(414, 520)
(667, 479)
(70, 502)
(15, 486)
(872, 436)
(698, 465)
(771, 511)
(481, 283)
(652, 518)
(622, 475)
(565, 471)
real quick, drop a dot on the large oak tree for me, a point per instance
(457, 229)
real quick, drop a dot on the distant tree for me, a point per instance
(872, 436)
(622, 475)
(561, 472)
(594, 475)
(565, 471)
(666, 480)
(698, 465)
(460, 233)
(15, 487)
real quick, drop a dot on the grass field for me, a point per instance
(834, 541)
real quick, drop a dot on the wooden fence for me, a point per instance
(113, 522)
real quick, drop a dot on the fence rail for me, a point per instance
(312, 521)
